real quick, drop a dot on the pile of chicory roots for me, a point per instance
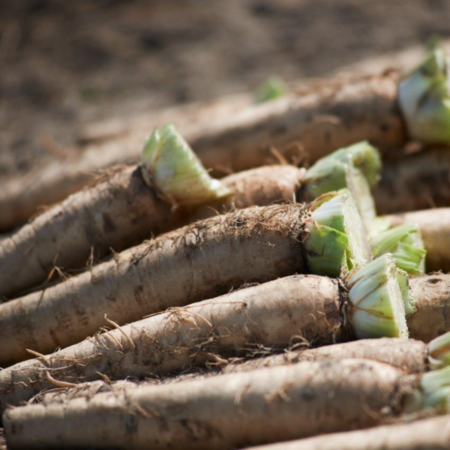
(205, 297)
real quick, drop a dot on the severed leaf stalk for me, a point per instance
(439, 351)
(408, 299)
(169, 164)
(433, 393)
(434, 386)
(271, 89)
(377, 300)
(405, 243)
(357, 168)
(364, 202)
(435, 389)
(424, 99)
(329, 174)
(379, 225)
(336, 239)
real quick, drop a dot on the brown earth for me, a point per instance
(65, 65)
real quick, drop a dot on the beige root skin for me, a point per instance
(204, 260)
(434, 227)
(277, 314)
(409, 355)
(332, 116)
(271, 315)
(431, 433)
(226, 411)
(22, 198)
(117, 213)
(185, 117)
(123, 211)
(414, 182)
(262, 186)
(432, 318)
(194, 341)
(406, 354)
(303, 126)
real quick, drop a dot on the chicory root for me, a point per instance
(434, 225)
(122, 211)
(117, 213)
(306, 125)
(128, 207)
(278, 314)
(226, 411)
(430, 433)
(409, 355)
(413, 182)
(320, 121)
(200, 261)
(268, 315)
(181, 267)
(112, 214)
(303, 126)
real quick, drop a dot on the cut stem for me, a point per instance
(173, 168)
(271, 89)
(405, 243)
(336, 240)
(377, 300)
(439, 351)
(329, 174)
(435, 390)
(357, 168)
(425, 101)
(408, 299)
(359, 187)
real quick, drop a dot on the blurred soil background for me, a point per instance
(67, 64)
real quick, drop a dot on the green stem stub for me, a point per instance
(330, 173)
(336, 240)
(435, 387)
(357, 168)
(424, 98)
(377, 300)
(405, 243)
(271, 89)
(379, 225)
(439, 351)
(408, 299)
(359, 187)
(170, 165)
